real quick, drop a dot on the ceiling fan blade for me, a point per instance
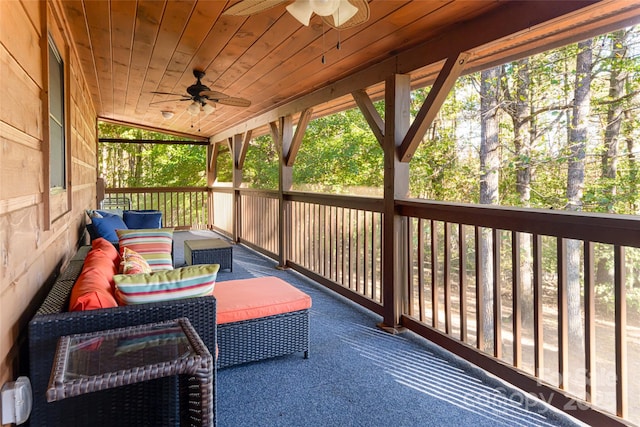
(251, 7)
(168, 93)
(169, 100)
(213, 94)
(360, 17)
(235, 102)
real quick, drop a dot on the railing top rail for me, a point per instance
(153, 189)
(221, 189)
(374, 204)
(259, 192)
(595, 227)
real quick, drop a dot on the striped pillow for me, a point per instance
(186, 282)
(154, 244)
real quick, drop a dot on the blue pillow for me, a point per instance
(143, 219)
(107, 226)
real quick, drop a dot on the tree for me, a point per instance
(575, 179)
(615, 113)
(489, 178)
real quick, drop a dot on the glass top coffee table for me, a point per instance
(91, 362)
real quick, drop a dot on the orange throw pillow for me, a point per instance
(91, 291)
(99, 260)
(107, 247)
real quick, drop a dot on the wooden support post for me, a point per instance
(236, 152)
(396, 186)
(212, 174)
(284, 143)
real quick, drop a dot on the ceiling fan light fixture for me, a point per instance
(345, 12)
(301, 10)
(167, 114)
(324, 7)
(193, 108)
(208, 109)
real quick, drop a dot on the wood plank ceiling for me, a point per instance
(128, 49)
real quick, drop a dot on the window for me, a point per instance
(57, 150)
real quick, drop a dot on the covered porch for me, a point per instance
(414, 266)
(337, 241)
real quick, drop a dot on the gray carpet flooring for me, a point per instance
(358, 375)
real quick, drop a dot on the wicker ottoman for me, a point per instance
(208, 251)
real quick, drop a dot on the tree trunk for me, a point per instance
(633, 172)
(523, 141)
(489, 169)
(575, 183)
(614, 118)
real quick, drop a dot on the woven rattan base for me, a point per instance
(209, 251)
(263, 338)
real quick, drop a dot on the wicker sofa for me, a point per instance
(152, 403)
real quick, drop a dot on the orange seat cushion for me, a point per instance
(246, 299)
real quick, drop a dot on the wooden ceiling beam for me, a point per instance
(153, 129)
(449, 73)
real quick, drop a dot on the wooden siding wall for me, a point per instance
(32, 251)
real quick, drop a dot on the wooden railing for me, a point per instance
(222, 201)
(258, 219)
(181, 207)
(514, 290)
(520, 285)
(338, 240)
(538, 297)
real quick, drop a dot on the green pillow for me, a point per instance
(185, 282)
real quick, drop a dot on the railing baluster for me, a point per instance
(563, 315)
(365, 257)
(589, 322)
(462, 261)
(497, 295)
(357, 251)
(409, 266)
(421, 300)
(447, 278)
(515, 290)
(538, 331)
(479, 291)
(350, 252)
(435, 312)
(375, 270)
(620, 331)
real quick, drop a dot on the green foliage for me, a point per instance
(261, 164)
(148, 165)
(225, 166)
(339, 154)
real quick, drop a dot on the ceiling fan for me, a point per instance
(202, 98)
(338, 14)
